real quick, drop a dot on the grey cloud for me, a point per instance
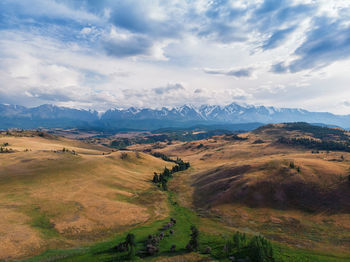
(347, 103)
(57, 96)
(328, 41)
(168, 88)
(240, 97)
(242, 72)
(135, 17)
(130, 46)
(277, 38)
(271, 15)
(279, 68)
(223, 33)
(220, 22)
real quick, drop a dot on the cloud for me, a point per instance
(169, 88)
(271, 15)
(277, 38)
(279, 68)
(57, 95)
(328, 41)
(220, 21)
(346, 103)
(46, 11)
(242, 72)
(141, 17)
(126, 44)
(105, 53)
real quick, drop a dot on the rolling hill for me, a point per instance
(59, 193)
(291, 193)
(65, 196)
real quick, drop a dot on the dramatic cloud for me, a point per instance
(102, 54)
(327, 42)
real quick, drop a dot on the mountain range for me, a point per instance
(51, 116)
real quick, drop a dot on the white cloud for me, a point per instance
(85, 56)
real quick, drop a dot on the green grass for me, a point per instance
(285, 254)
(41, 221)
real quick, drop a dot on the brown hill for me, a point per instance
(293, 193)
(275, 185)
(56, 192)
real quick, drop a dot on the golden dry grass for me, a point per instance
(51, 199)
(326, 228)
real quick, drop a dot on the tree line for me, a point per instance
(315, 144)
(236, 248)
(257, 249)
(323, 133)
(151, 245)
(162, 178)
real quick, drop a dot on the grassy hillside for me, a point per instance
(55, 198)
(296, 196)
(212, 233)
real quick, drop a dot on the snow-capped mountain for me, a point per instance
(146, 118)
(233, 113)
(14, 116)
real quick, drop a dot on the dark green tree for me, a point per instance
(228, 247)
(239, 240)
(155, 178)
(193, 243)
(166, 172)
(291, 165)
(131, 244)
(164, 185)
(261, 250)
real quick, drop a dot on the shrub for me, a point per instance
(137, 154)
(152, 245)
(123, 155)
(228, 247)
(239, 240)
(207, 250)
(291, 165)
(261, 250)
(155, 178)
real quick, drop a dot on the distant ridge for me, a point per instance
(50, 116)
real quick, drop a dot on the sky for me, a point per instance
(117, 54)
